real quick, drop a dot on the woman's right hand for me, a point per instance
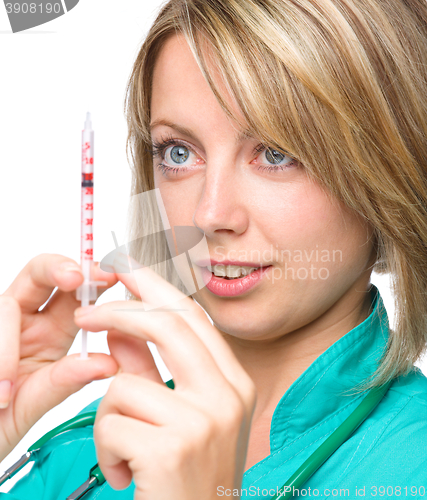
(35, 372)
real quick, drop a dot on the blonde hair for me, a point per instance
(339, 84)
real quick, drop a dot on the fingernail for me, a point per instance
(81, 311)
(69, 267)
(5, 393)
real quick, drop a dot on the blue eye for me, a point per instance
(179, 154)
(173, 152)
(276, 157)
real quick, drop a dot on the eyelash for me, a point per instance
(159, 148)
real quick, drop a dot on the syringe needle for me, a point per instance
(85, 296)
(83, 354)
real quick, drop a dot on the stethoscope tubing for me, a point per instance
(83, 420)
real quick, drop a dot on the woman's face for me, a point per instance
(319, 251)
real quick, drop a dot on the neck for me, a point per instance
(274, 364)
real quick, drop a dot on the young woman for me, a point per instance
(292, 135)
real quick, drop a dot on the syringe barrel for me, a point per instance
(87, 203)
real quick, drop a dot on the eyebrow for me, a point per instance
(242, 135)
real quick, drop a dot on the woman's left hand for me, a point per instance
(182, 443)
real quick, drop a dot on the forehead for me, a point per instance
(175, 68)
(178, 83)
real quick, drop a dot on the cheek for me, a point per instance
(313, 229)
(179, 202)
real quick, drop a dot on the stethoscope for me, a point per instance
(305, 471)
(95, 475)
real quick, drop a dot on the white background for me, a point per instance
(51, 76)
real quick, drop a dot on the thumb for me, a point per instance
(52, 384)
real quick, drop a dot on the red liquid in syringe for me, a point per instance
(87, 199)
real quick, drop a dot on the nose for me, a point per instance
(223, 203)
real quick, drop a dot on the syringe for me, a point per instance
(88, 290)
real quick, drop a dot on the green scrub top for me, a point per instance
(385, 457)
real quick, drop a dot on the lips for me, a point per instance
(231, 288)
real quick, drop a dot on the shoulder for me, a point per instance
(414, 385)
(405, 429)
(391, 444)
(400, 420)
(406, 402)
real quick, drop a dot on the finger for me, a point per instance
(36, 281)
(133, 355)
(10, 321)
(60, 308)
(162, 296)
(145, 283)
(145, 400)
(97, 274)
(119, 441)
(185, 355)
(52, 384)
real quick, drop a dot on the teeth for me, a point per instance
(232, 271)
